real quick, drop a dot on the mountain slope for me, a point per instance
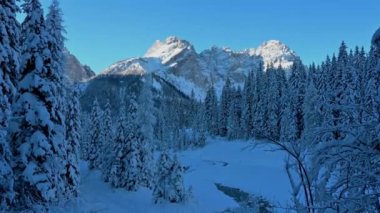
(135, 66)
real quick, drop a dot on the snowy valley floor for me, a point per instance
(254, 169)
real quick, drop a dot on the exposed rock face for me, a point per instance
(76, 72)
(218, 64)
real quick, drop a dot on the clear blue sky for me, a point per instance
(101, 32)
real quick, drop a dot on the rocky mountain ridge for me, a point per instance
(176, 61)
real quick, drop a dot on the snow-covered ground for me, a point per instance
(253, 169)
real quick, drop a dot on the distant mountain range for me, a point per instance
(176, 61)
(177, 69)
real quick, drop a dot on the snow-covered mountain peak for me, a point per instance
(274, 48)
(169, 49)
(175, 39)
(275, 52)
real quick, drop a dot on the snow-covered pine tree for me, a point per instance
(178, 193)
(132, 158)
(54, 26)
(247, 106)
(282, 88)
(359, 64)
(338, 105)
(372, 85)
(275, 78)
(199, 128)
(73, 129)
(96, 139)
(161, 189)
(9, 66)
(293, 117)
(326, 94)
(6, 174)
(120, 148)
(338, 69)
(288, 123)
(260, 110)
(107, 136)
(234, 129)
(146, 113)
(146, 121)
(84, 135)
(211, 111)
(169, 184)
(312, 112)
(37, 131)
(351, 95)
(146, 159)
(9, 52)
(224, 111)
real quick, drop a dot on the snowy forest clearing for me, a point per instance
(258, 171)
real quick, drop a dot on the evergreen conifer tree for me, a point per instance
(224, 111)
(146, 121)
(312, 112)
(260, 110)
(73, 129)
(161, 190)
(178, 191)
(247, 106)
(169, 180)
(211, 111)
(96, 139)
(85, 136)
(132, 158)
(9, 66)
(275, 78)
(107, 135)
(38, 132)
(55, 29)
(293, 117)
(234, 128)
(118, 166)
